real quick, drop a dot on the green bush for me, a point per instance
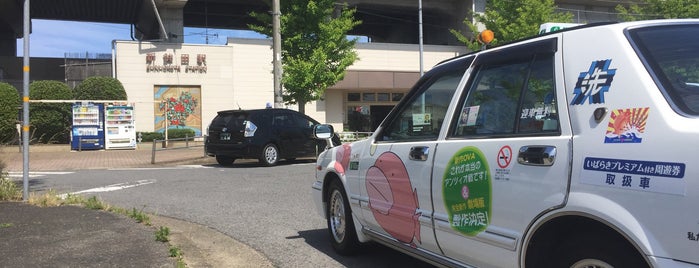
(150, 136)
(50, 122)
(9, 101)
(178, 133)
(100, 88)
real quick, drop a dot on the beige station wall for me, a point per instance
(239, 75)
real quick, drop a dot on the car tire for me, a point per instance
(225, 160)
(343, 236)
(597, 251)
(270, 155)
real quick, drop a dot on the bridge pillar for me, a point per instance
(171, 13)
(8, 43)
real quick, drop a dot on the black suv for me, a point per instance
(264, 134)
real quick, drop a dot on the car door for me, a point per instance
(506, 157)
(304, 135)
(395, 169)
(285, 133)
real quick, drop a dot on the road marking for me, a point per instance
(163, 168)
(113, 187)
(34, 174)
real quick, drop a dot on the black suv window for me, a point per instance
(674, 64)
(513, 95)
(229, 120)
(283, 120)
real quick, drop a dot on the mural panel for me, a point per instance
(180, 105)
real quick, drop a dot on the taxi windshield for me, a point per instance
(671, 53)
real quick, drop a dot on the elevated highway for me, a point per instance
(389, 21)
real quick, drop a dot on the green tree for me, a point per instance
(9, 101)
(315, 47)
(100, 88)
(50, 122)
(659, 9)
(510, 20)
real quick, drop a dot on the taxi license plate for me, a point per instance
(225, 136)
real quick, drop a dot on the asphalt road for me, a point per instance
(267, 208)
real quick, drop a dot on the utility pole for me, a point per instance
(277, 51)
(25, 104)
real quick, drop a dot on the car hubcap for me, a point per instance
(271, 154)
(591, 263)
(337, 216)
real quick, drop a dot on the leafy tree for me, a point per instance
(510, 20)
(315, 47)
(100, 88)
(659, 9)
(9, 101)
(50, 121)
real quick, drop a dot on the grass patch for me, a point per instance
(9, 191)
(8, 225)
(139, 216)
(162, 234)
(47, 199)
(94, 203)
(175, 252)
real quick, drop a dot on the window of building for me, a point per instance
(353, 97)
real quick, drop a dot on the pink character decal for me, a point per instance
(392, 199)
(342, 158)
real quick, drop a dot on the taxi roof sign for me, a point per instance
(555, 26)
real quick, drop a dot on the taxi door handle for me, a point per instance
(419, 153)
(537, 155)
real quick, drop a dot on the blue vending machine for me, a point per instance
(88, 127)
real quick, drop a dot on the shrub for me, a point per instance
(50, 121)
(100, 88)
(178, 133)
(150, 136)
(9, 101)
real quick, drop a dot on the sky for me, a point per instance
(52, 38)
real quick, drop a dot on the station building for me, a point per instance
(194, 81)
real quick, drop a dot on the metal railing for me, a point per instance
(175, 144)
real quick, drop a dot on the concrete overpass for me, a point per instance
(390, 21)
(393, 21)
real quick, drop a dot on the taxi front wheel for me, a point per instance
(340, 223)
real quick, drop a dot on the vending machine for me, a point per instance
(120, 128)
(88, 127)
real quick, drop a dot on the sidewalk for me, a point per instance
(60, 157)
(70, 236)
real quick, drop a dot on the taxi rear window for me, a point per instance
(671, 54)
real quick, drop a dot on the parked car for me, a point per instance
(575, 148)
(265, 134)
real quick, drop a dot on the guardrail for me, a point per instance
(353, 136)
(171, 144)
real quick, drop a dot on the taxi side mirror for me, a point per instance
(323, 131)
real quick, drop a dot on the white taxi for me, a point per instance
(576, 148)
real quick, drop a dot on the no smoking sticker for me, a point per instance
(504, 158)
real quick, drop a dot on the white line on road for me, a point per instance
(163, 168)
(34, 174)
(113, 187)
